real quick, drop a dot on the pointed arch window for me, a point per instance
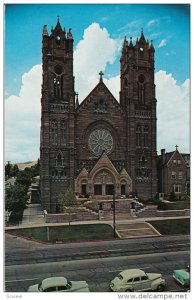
(145, 136)
(143, 162)
(141, 89)
(59, 160)
(63, 132)
(58, 85)
(138, 136)
(54, 132)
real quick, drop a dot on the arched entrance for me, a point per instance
(103, 180)
(103, 183)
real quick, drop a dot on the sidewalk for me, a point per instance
(33, 214)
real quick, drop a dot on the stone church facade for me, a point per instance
(100, 146)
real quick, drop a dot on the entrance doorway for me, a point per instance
(97, 189)
(109, 189)
(122, 189)
(84, 189)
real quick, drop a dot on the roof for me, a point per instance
(168, 156)
(130, 273)
(99, 84)
(53, 281)
(183, 273)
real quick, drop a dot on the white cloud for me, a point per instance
(92, 54)
(22, 119)
(113, 84)
(173, 112)
(153, 22)
(162, 43)
(134, 25)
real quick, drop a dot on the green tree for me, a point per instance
(173, 196)
(15, 201)
(67, 203)
(14, 170)
(24, 178)
(8, 170)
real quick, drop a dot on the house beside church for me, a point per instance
(173, 174)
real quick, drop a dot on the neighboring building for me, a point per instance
(186, 158)
(100, 145)
(174, 173)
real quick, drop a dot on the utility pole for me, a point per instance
(114, 230)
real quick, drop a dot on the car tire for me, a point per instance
(160, 288)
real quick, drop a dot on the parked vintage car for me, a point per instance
(182, 276)
(136, 280)
(59, 284)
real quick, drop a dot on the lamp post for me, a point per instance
(114, 230)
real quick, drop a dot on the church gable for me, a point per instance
(176, 156)
(103, 162)
(100, 115)
(100, 101)
(83, 173)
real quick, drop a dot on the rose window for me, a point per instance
(100, 140)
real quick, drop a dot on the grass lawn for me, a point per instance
(67, 233)
(172, 226)
(176, 205)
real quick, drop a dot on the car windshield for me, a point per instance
(120, 277)
(69, 284)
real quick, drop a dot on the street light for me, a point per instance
(114, 230)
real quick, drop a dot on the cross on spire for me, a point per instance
(58, 18)
(176, 148)
(101, 74)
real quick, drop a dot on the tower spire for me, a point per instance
(58, 26)
(76, 100)
(142, 38)
(44, 31)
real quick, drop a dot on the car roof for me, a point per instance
(53, 281)
(182, 272)
(130, 273)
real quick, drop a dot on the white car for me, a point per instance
(59, 284)
(136, 280)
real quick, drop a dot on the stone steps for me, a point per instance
(135, 230)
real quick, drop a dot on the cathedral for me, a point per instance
(100, 146)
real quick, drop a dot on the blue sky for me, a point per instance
(95, 24)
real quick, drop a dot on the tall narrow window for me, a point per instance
(54, 133)
(58, 81)
(138, 136)
(143, 161)
(63, 132)
(59, 160)
(141, 89)
(177, 188)
(145, 136)
(58, 85)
